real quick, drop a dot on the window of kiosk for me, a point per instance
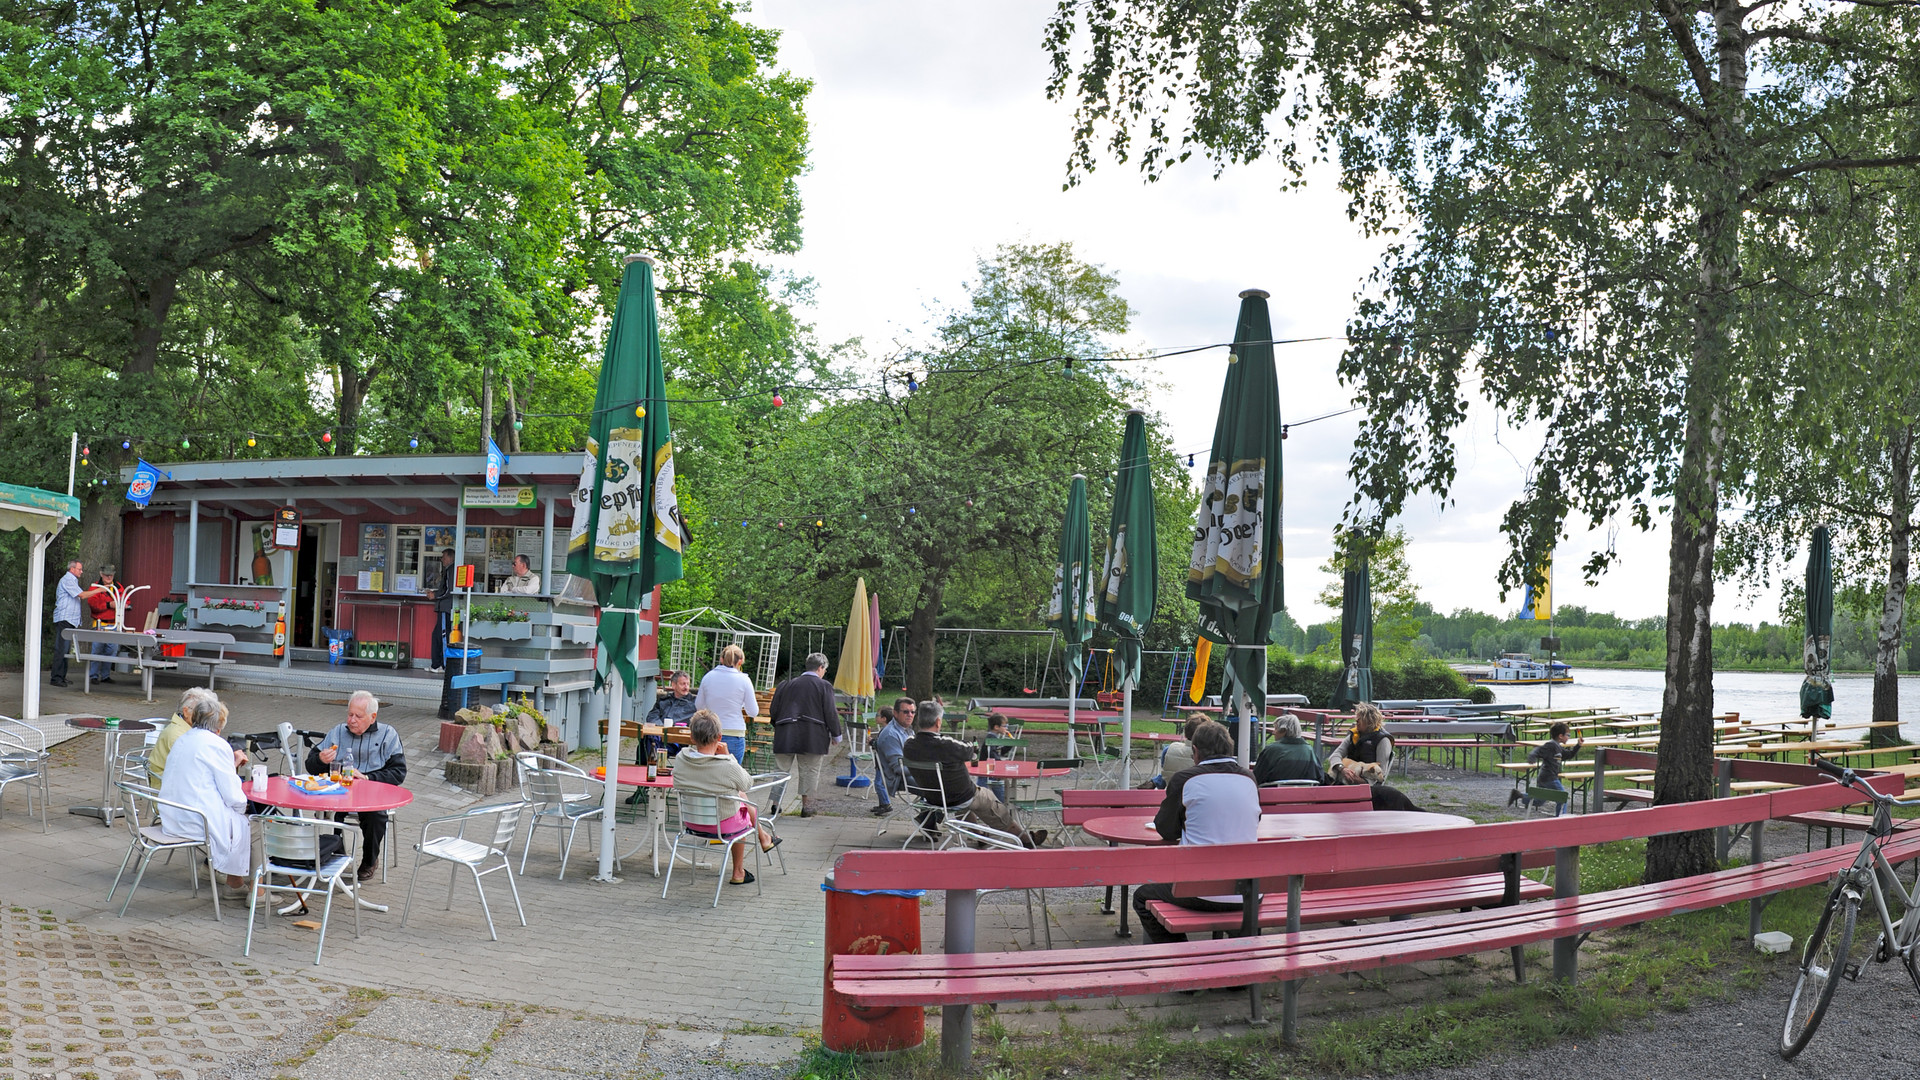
(407, 541)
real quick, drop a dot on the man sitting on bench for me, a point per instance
(1215, 802)
(929, 753)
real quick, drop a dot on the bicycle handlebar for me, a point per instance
(1852, 779)
(1843, 775)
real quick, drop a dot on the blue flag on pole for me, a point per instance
(145, 479)
(496, 461)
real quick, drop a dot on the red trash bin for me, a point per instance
(865, 923)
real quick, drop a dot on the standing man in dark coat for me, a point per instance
(442, 611)
(805, 727)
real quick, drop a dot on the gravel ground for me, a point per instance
(1872, 1032)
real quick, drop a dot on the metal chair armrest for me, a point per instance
(465, 816)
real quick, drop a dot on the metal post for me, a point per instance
(1598, 800)
(193, 542)
(1126, 733)
(1566, 882)
(956, 1021)
(546, 546)
(1758, 903)
(73, 455)
(37, 544)
(1289, 991)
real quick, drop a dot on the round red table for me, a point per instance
(362, 797)
(106, 809)
(635, 776)
(1119, 829)
(1013, 770)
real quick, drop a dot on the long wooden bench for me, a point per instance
(960, 978)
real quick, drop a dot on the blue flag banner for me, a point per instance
(145, 479)
(496, 461)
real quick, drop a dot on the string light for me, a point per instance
(778, 401)
(326, 436)
(640, 412)
(517, 425)
(249, 442)
(1189, 461)
(413, 444)
(126, 444)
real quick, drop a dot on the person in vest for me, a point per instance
(1365, 756)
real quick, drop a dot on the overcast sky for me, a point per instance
(933, 142)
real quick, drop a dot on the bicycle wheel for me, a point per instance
(1821, 967)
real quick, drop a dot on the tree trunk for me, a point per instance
(100, 533)
(1893, 608)
(353, 394)
(158, 300)
(1685, 772)
(921, 632)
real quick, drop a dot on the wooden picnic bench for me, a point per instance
(960, 978)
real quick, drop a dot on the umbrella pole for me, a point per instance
(610, 789)
(1245, 750)
(36, 594)
(1126, 734)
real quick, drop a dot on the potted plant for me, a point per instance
(499, 621)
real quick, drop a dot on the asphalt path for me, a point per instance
(1871, 1032)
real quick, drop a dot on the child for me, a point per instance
(997, 729)
(1551, 755)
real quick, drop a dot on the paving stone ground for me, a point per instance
(606, 980)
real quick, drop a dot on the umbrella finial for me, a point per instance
(1247, 294)
(648, 259)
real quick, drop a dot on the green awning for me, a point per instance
(35, 510)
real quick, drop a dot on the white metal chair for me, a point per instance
(987, 837)
(456, 848)
(929, 804)
(703, 812)
(23, 760)
(287, 842)
(143, 805)
(560, 797)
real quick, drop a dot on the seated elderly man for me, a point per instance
(181, 723)
(204, 773)
(936, 763)
(1288, 756)
(373, 750)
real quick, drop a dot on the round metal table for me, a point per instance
(106, 810)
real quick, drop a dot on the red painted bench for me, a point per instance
(960, 978)
(1325, 899)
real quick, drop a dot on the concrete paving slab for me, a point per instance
(430, 1023)
(355, 1057)
(698, 1043)
(762, 1049)
(597, 1047)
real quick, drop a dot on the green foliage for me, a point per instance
(945, 495)
(1396, 627)
(499, 611)
(1413, 677)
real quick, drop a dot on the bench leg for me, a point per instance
(1519, 963)
(1289, 991)
(956, 1021)
(1566, 882)
(1758, 903)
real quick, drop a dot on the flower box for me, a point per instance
(231, 617)
(501, 631)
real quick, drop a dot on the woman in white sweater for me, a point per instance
(727, 693)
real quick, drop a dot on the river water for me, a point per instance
(1754, 695)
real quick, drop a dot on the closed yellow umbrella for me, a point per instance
(854, 676)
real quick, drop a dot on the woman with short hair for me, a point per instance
(203, 772)
(727, 693)
(709, 768)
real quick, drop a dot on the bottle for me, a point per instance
(280, 633)
(453, 631)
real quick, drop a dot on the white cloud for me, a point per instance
(933, 142)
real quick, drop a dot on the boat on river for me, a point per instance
(1520, 669)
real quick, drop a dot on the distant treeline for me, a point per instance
(1598, 637)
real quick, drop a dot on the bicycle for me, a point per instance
(1830, 953)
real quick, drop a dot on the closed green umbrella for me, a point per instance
(1234, 572)
(1071, 611)
(627, 533)
(1816, 691)
(1356, 637)
(1132, 577)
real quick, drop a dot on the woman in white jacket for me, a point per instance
(203, 772)
(727, 693)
